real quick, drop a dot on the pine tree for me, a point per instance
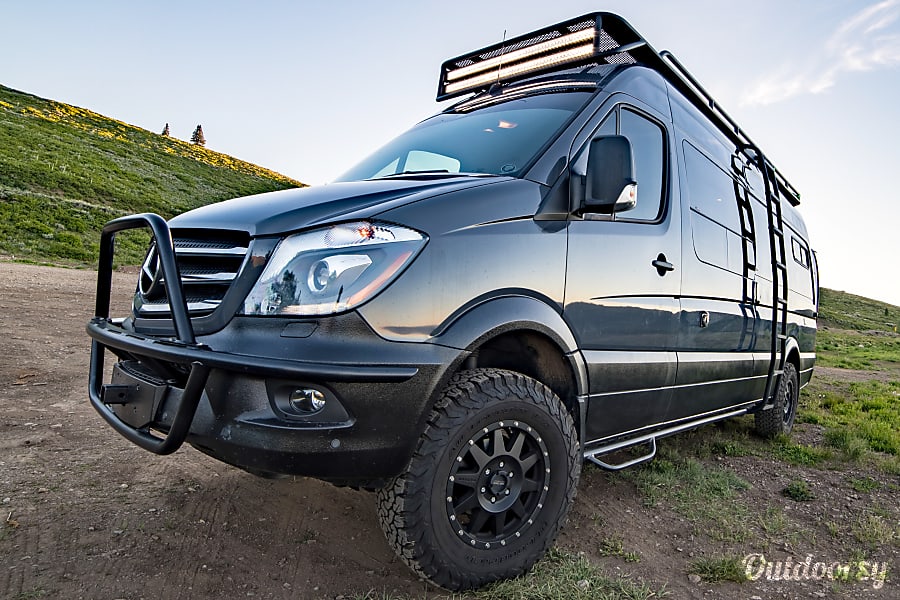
(166, 130)
(197, 137)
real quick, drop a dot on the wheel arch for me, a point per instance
(792, 353)
(525, 335)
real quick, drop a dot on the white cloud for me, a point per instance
(869, 40)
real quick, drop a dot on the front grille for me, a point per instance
(208, 261)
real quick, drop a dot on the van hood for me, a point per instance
(282, 212)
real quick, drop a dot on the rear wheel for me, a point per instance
(780, 418)
(489, 485)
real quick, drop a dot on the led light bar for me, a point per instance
(580, 41)
(585, 35)
(507, 73)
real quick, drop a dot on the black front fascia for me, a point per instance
(183, 348)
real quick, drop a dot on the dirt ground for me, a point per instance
(87, 515)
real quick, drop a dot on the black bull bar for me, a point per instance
(183, 348)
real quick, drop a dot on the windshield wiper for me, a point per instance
(434, 173)
(422, 172)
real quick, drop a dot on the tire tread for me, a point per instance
(403, 513)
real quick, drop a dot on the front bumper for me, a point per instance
(220, 393)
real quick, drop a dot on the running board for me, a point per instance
(624, 465)
(649, 438)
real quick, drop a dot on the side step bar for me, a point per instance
(592, 454)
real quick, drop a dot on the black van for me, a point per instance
(584, 254)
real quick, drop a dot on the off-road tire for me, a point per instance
(495, 439)
(780, 418)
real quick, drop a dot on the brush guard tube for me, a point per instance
(184, 332)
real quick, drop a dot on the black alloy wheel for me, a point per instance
(490, 482)
(498, 483)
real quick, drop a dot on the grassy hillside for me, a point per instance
(65, 171)
(847, 311)
(856, 332)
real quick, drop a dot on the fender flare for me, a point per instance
(498, 315)
(791, 346)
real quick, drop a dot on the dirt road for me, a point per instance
(87, 515)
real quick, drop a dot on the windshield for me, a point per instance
(501, 139)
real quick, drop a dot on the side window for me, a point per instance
(648, 144)
(711, 190)
(801, 254)
(715, 221)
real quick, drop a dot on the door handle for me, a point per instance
(662, 265)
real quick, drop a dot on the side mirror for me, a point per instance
(610, 186)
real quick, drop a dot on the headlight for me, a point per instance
(331, 270)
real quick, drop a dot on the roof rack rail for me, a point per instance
(695, 92)
(596, 38)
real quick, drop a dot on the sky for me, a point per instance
(310, 88)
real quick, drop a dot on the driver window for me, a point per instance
(648, 145)
(608, 127)
(646, 140)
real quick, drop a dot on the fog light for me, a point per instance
(307, 400)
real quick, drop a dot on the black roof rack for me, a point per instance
(596, 38)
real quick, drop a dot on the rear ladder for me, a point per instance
(775, 184)
(749, 312)
(779, 278)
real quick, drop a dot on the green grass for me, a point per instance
(561, 575)
(859, 417)
(773, 522)
(846, 349)
(864, 485)
(876, 531)
(65, 171)
(803, 455)
(798, 491)
(32, 594)
(702, 493)
(615, 546)
(715, 570)
(847, 443)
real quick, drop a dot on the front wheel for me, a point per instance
(489, 485)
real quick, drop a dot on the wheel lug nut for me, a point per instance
(507, 492)
(493, 499)
(487, 471)
(501, 464)
(483, 490)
